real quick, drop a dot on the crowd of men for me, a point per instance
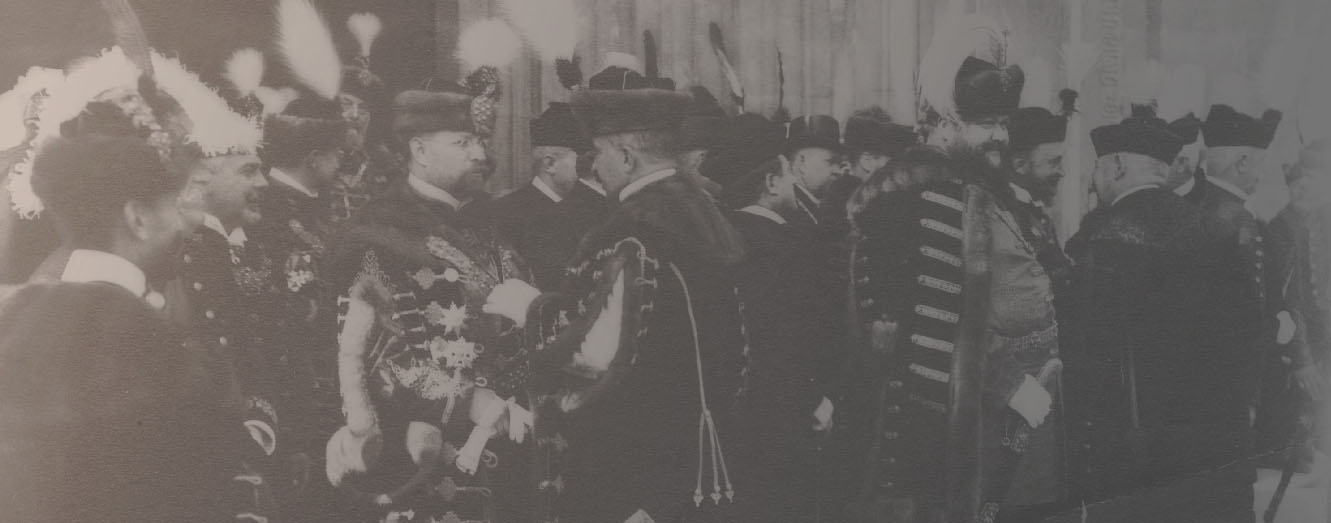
(271, 308)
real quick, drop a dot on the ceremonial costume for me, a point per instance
(959, 316)
(412, 274)
(644, 334)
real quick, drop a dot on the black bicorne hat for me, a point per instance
(610, 112)
(819, 130)
(1031, 127)
(1138, 134)
(743, 143)
(557, 127)
(873, 131)
(1225, 126)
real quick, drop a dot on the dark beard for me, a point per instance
(973, 163)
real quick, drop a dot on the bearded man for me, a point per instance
(959, 315)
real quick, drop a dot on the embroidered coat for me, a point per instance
(956, 310)
(425, 270)
(640, 353)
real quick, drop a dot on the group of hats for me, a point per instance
(1162, 118)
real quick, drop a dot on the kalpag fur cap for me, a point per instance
(422, 112)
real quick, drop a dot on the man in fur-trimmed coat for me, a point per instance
(641, 351)
(959, 316)
(424, 373)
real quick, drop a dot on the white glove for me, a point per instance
(823, 416)
(510, 299)
(1031, 401)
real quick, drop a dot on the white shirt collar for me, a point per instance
(637, 185)
(594, 185)
(1186, 188)
(545, 189)
(1231, 188)
(1023, 195)
(758, 210)
(236, 238)
(431, 192)
(282, 177)
(1134, 190)
(86, 266)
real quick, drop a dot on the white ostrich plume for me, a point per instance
(84, 81)
(1038, 90)
(307, 45)
(14, 103)
(625, 60)
(275, 100)
(1236, 91)
(489, 42)
(365, 27)
(1182, 93)
(244, 69)
(214, 127)
(551, 26)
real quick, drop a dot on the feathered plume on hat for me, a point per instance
(19, 106)
(275, 99)
(358, 79)
(213, 126)
(244, 71)
(483, 48)
(307, 46)
(365, 27)
(958, 36)
(83, 82)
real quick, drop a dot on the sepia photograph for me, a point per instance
(665, 261)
